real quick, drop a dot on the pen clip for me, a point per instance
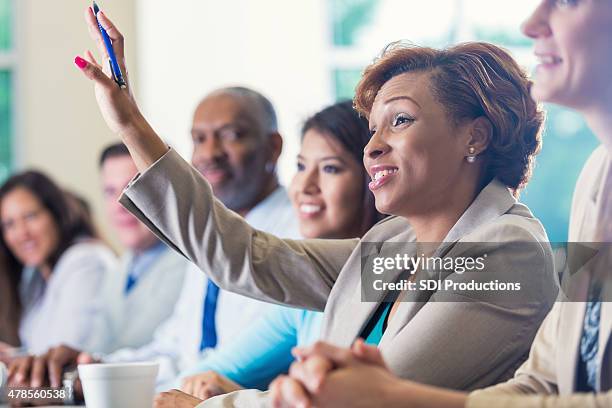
(119, 82)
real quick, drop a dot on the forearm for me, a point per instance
(145, 146)
(177, 203)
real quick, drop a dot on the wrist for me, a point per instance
(397, 393)
(145, 146)
(136, 129)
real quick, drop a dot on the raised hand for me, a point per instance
(117, 105)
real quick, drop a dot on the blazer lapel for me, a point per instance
(494, 200)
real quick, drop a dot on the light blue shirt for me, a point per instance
(263, 350)
(141, 263)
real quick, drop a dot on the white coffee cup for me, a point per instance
(127, 385)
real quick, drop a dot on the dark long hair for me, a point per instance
(73, 222)
(345, 125)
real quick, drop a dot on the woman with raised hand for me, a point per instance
(570, 363)
(447, 159)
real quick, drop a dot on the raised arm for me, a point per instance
(177, 203)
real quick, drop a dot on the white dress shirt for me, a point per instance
(67, 307)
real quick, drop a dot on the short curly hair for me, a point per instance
(471, 80)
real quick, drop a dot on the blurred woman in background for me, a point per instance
(53, 261)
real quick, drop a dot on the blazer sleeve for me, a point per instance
(177, 203)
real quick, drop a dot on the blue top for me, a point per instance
(263, 350)
(375, 328)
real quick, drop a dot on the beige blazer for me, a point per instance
(426, 341)
(551, 368)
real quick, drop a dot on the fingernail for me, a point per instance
(80, 62)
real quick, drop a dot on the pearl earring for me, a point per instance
(472, 157)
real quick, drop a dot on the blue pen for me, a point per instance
(115, 69)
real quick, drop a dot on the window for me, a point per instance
(7, 62)
(362, 28)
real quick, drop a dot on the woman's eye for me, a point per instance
(372, 132)
(331, 169)
(402, 119)
(300, 167)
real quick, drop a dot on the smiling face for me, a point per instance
(28, 228)
(572, 42)
(416, 156)
(327, 190)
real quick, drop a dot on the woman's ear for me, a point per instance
(481, 133)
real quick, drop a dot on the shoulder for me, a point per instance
(517, 224)
(86, 254)
(517, 231)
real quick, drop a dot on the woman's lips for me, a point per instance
(548, 61)
(381, 176)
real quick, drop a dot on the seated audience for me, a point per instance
(236, 146)
(447, 159)
(330, 194)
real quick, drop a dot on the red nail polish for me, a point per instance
(80, 62)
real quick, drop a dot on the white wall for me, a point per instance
(177, 52)
(187, 48)
(59, 128)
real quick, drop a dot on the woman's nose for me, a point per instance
(537, 25)
(375, 148)
(309, 182)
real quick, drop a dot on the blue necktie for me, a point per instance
(130, 283)
(209, 330)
